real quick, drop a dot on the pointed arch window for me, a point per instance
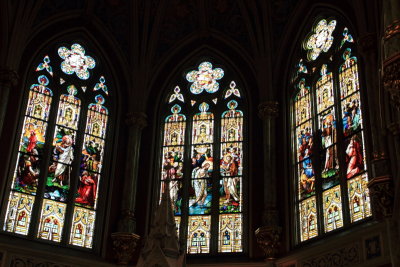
(328, 130)
(54, 185)
(202, 154)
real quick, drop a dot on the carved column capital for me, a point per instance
(268, 110)
(382, 196)
(124, 246)
(391, 78)
(391, 30)
(394, 128)
(368, 43)
(8, 77)
(136, 119)
(268, 239)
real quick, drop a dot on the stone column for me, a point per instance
(269, 234)
(387, 191)
(8, 80)
(125, 240)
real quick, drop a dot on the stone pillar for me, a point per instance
(125, 240)
(386, 190)
(269, 234)
(8, 80)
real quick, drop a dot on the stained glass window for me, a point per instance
(202, 157)
(330, 167)
(60, 150)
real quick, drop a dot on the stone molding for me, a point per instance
(382, 196)
(391, 78)
(124, 246)
(391, 30)
(136, 119)
(268, 110)
(345, 256)
(268, 239)
(8, 77)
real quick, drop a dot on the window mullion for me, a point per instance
(215, 184)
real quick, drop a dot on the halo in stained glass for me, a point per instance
(176, 108)
(232, 104)
(321, 39)
(205, 78)
(99, 99)
(43, 80)
(72, 90)
(203, 107)
(75, 61)
(101, 85)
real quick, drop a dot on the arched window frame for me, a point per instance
(308, 69)
(89, 97)
(189, 111)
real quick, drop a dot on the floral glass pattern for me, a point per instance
(75, 61)
(205, 78)
(321, 39)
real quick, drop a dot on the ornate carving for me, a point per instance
(268, 238)
(124, 245)
(382, 196)
(391, 78)
(18, 261)
(392, 30)
(8, 77)
(367, 43)
(268, 109)
(394, 128)
(346, 256)
(136, 119)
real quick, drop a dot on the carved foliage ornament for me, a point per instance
(392, 30)
(268, 109)
(124, 246)
(8, 77)
(391, 79)
(268, 239)
(136, 119)
(382, 195)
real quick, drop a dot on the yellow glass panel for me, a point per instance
(359, 201)
(333, 217)
(230, 233)
(19, 212)
(51, 220)
(198, 239)
(308, 219)
(82, 227)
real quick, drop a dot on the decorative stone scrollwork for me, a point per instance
(382, 196)
(392, 30)
(8, 77)
(347, 256)
(367, 43)
(391, 79)
(136, 119)
(124, 246)
(268, 239)
(268, 109)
